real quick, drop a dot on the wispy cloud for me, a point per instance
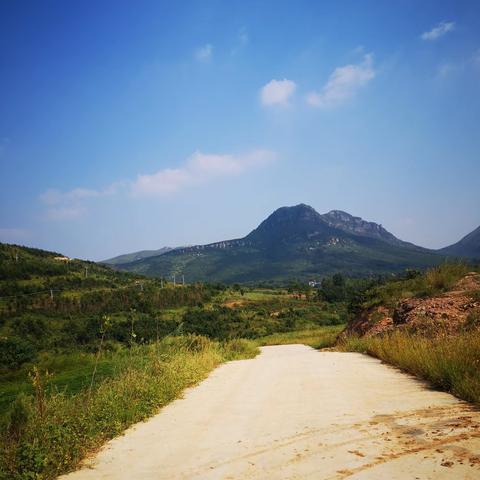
(66, 212)
(343, 84)
(458, 66)
(72, 204)
(277, 92)
(243, 37)
(241, 42)
(199, 168)
(204, 53)
(446, 69)
(438, 31)
(55, 197)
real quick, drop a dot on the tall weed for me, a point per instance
(450, 363)
(50, 434)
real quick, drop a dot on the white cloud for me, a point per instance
(199, 168)
(438, 31)
(55, 197)
(204, 53)
(343, 83)
(277, 92)
(72, 204)
(66, 212)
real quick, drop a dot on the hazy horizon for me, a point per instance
(128, 127)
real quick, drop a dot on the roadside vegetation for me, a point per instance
(49, 432)
(449, 363)
(86, 351)
(442, 350)
(319, 337)
(415, 283)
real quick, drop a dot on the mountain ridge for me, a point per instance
(131, 257)
(293, 242)
(468, 246)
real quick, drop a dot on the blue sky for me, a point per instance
(134, 125)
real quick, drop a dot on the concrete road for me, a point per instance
(296, 413)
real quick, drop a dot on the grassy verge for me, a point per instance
(450, 363)
(318, 337)
(49, 433)
(69, 373)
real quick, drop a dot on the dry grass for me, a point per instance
(318, 337)
(450, 363)
(47, 435)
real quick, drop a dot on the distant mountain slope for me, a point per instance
(468, 246)
(356, 225)
(26, 271)
(293, 242)
(131, 257)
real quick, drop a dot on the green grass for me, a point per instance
(450, 363)
(50, 432)
(69, 373)
(434, 281)
(317, 337)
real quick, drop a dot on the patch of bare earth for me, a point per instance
(446, 313)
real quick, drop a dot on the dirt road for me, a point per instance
(296, 413)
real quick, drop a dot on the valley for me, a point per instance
(292, 243)
(89, 351)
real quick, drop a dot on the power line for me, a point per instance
(51, 291)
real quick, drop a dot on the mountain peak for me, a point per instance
(295, 211)
(358, 226)
(289, 223)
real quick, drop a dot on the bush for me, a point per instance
(14, 352)
(19, 415)
(444, 276)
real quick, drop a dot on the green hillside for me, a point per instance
(53, 302)
(131, 257)
(293, 243)
(468, 246)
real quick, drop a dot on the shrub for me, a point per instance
(14, 352)
(19, 415)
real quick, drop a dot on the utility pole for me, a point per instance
(183, 280)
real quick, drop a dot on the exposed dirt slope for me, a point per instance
(296, 413)
(447, 313)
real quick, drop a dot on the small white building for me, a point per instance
(62, 259)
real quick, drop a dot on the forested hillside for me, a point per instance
(293, 243)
